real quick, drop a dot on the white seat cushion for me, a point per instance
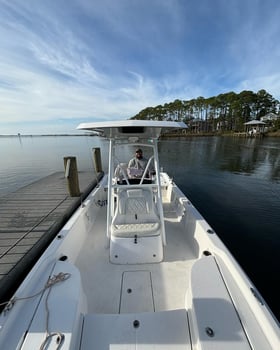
(144, 229)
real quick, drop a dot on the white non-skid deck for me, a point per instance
(112, 288)
(144, 306)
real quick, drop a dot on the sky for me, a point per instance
(64, 62)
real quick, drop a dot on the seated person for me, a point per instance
(137, 165)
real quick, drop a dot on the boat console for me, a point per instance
(135, 225)
(135, 222)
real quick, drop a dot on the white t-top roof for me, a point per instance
(128, 128)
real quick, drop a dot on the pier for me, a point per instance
(30, 219)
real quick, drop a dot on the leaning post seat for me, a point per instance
(135, 214)
(136, 229)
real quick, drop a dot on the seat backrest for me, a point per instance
(135, 201)
(136, 211)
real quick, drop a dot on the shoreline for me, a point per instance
(237, 134)
(45, 135)
(240, 135)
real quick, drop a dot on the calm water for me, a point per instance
(234, 182)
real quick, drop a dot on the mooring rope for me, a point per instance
(49, 335)
(60, 277)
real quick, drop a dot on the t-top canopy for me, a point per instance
(132, 128)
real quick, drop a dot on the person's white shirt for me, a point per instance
(137, 165)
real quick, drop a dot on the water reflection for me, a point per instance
(259, 157)
(254, 157)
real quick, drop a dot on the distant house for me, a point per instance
(255, 128)
(197, 125)
(269, 117)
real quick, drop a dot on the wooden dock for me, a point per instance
(29, 220)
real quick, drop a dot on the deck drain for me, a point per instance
(209, 331)
(136, 323)
(63, 258)
(206, 253)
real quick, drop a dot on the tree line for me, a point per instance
(225, 112)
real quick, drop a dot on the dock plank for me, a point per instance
(30, 219)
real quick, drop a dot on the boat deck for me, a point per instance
(112, 288)
(144, 306)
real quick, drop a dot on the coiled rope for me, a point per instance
(60, 277)
(59, 336)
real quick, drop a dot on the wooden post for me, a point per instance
(97, 160)
(71, 174)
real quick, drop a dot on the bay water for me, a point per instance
(234, 183)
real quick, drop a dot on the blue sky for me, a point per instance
(69, 61)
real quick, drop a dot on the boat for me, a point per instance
(137, 267)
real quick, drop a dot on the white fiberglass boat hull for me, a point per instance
(82, 294)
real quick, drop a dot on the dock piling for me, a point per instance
(71, 174)
(97, 160)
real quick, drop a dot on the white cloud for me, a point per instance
(84, 61)
(270, 83)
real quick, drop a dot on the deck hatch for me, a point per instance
(136, 292)
(154, 331)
